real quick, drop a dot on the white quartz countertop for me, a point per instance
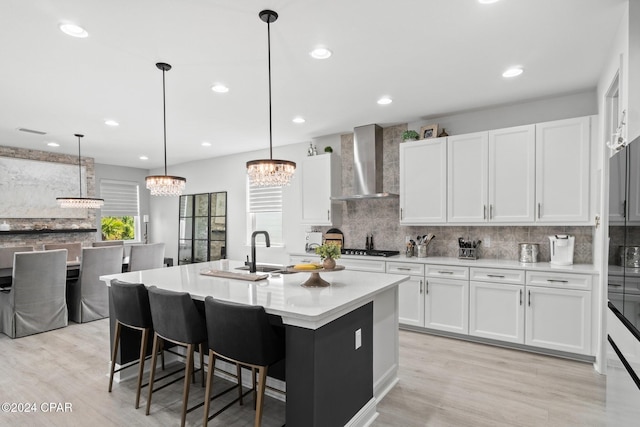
(482, 262)
(282, 295)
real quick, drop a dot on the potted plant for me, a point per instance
(328, 252)
(328, 149)
(410, 135)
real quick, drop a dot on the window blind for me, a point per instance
(120, 198)
(265, 199)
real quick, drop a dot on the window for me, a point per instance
(264, 212)
(120, 215)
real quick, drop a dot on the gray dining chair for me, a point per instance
(74, 250)
(88, 296)
(36, 301)
(6, 255)
(146, 257)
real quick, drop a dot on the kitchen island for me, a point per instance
(342, 340)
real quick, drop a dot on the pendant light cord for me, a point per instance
(164, 120)
(269, 66)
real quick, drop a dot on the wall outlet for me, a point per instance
(486, 242)
(358, 338)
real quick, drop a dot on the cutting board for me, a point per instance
(233, 275)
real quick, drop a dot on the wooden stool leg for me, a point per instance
(162, 353)
(253, 382)
(262, 379)
(185, 394)
(207, 391)
(116, 342)
(143, 353)
(154, 358)
(202, 363)
(239, 375)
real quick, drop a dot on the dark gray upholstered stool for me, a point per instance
(242, 334)
(131, 310)
(176, 319)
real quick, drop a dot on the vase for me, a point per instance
(329, 263)
(443, 134)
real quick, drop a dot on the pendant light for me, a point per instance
(165, 185)
(79, 202)
(270, 172)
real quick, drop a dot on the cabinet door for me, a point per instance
(558, 319)
(467, 177)
(496, 311)
(512, 174)
(633, 203)
(447, 305)
(411, 302)
(423, 182)
(562, 171)
(320, 181)
(617, 188)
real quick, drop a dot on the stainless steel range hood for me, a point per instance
(367, 164)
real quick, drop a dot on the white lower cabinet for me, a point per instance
(410, 293)
(496, 311)
(558, 319)
(447, 298)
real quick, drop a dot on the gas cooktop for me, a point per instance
(370, 252)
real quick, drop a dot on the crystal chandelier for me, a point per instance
(79, 202)
(270, 172)
(165, 185)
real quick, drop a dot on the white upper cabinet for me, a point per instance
(562, 171)
(617, 182)
(467, 176)
(423, 182)
(512, 174)
(321, 180)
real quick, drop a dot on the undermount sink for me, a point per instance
(262, 268)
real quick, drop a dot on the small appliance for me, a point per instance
(561, 249)
(312, 241)
(370, 252)
(335, 237)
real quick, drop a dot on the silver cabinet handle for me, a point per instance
(557, 281)
(490, 211)
(421, 286)
(328, 214)
(445, 272)
(403, 268)
(484, 214)
(400, 213)
(539, 210)
(499, 276)
(427, 283)
(520, 296)
(529, 298)
(614, 285)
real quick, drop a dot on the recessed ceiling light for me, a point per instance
(110, 122)
(74, 30)
(298, 119)
(513, 72)
(53, 144)
(206, 144)
(320, 53)
(219, 88)
(384, 100)
(143, 158)
(487, 1)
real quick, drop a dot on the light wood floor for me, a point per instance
(443, 382)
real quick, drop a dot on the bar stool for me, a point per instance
(242, 334)
(131, 310)
(177, 320)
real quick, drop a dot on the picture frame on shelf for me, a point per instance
(430, 131)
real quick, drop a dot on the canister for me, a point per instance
(529, 252)
(422, 251)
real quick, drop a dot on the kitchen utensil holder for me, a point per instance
(410, 251)
(422, 251)
(468, 253)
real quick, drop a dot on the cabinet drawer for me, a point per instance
(362, 264)
(497, 275)
(411, 268)
(447, 271)
(559, 280)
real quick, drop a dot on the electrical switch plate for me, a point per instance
(486, 242)
(358, 338)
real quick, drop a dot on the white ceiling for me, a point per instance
(432, 57)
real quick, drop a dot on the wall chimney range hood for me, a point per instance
(367, 164)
